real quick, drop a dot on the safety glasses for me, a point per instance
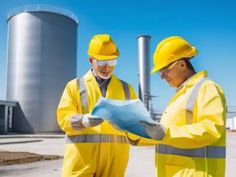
(167, 68)
(106, 62)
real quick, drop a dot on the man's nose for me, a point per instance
(106, 66)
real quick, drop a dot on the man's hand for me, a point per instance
(155, 130)
(89, 120)
(79, 121)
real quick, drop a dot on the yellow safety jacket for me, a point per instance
(194, 145)
(100, 151)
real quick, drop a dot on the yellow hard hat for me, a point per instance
(171, 49)
(102, 47)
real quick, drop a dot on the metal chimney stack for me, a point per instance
(144, 69)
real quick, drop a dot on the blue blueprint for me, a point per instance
(126, 114)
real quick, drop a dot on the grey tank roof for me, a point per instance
(42, 8)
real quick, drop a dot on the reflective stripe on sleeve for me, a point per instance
(204, 152)
(191, 101)
(97, 138)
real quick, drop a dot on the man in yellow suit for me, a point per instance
(94, 148)
(191, 132)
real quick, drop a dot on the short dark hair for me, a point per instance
(188, 64)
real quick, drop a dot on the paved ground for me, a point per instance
(141, 162)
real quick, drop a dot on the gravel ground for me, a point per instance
(10, 158)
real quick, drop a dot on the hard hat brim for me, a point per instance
(154, 70)
(104, 57)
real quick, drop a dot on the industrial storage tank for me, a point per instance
(41, 53)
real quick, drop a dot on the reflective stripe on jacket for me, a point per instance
(194, 144)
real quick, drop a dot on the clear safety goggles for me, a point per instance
(167, 68)
(106, 62)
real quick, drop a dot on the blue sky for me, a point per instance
(209, 25)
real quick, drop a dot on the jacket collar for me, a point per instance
(192, 81)
(189, 83)
(89, 76)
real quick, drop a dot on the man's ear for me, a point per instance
(90, 60)
(183, 64)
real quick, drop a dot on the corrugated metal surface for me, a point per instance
(41, 59)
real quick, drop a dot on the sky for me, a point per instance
(208, 25)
